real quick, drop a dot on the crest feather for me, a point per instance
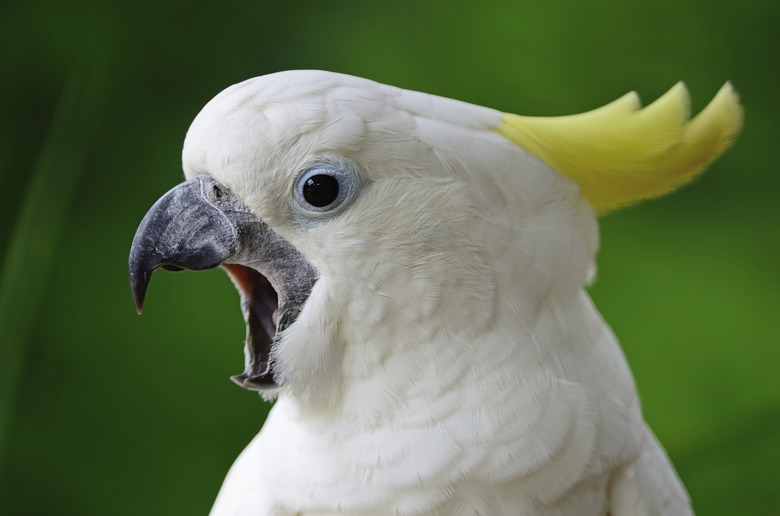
(620, 154)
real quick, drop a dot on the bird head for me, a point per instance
(359, 221)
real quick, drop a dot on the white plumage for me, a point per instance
(448, 360)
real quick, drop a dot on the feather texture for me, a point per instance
(448, 360)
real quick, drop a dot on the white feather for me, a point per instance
(448, 361)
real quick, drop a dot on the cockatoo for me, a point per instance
(412, 272)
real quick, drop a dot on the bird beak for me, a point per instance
(199, 225)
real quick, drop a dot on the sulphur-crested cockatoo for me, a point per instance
(412, 272)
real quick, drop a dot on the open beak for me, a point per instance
(200, 225)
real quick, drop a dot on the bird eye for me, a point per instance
(320, 190)
(326, 189)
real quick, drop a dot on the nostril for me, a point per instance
(218, 192)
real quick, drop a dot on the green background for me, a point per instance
(105, 412)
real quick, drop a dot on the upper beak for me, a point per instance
(199, 225)
(184, 229)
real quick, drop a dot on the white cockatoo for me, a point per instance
(412, 272)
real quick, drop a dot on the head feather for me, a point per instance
(620, 154)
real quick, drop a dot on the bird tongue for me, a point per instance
(260, 306)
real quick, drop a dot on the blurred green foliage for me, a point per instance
(103, 412)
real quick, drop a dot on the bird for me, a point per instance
(412, 272)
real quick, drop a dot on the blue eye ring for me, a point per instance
(326, 188)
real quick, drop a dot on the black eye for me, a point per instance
(326, 189)
(320, 190)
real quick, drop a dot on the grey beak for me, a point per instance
(199, 225)
(182, 230)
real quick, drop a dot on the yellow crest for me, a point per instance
(620, 153)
